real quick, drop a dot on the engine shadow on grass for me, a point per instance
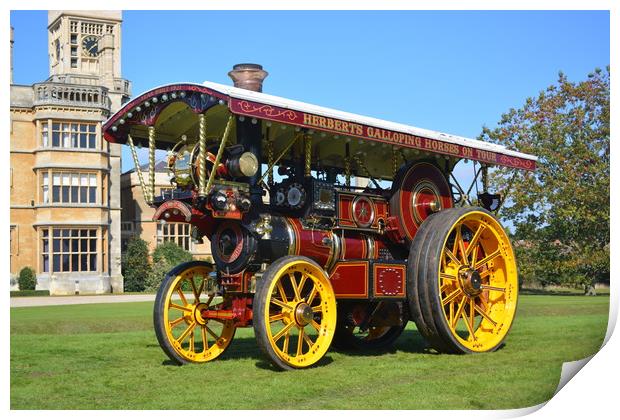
(240, 348)
(265, 364)
(409, 342)
(244, 348)
(247, 348)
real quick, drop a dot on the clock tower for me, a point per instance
(85, 48)
(85, 43)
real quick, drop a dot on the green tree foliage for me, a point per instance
(561, 211)
(27, 279)
(172, 253)
(135, 265)
(157, 274)
(166, 256)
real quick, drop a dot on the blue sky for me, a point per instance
(447, 71)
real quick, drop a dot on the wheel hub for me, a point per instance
(470, 280)
(303, 314)
(198, 314)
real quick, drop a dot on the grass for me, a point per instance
(105, 356)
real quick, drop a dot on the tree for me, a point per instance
(157, 274)
(166, 256)
(561, 211)
(135, 265)
(172, 253)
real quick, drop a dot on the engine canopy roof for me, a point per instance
(172, 110)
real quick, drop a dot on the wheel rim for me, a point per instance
(193, 337)
(477, 282)
(300, 316)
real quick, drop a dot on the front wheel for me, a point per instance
(182, 332)
(462, 281)
(294, 313)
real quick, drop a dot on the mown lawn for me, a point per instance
(105, 356)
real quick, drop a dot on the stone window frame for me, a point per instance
(68, 249)
(48, 183)
(179, 233)
(73, 129)
(169, 192)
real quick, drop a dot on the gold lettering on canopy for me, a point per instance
(332, 124)
(361, 131)
(382, 134)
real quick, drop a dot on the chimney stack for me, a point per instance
(248, 76)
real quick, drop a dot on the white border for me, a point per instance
(592, 395)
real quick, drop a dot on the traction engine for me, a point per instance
(326, 229)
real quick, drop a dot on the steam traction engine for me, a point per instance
(301, 252)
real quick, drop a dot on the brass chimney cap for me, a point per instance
(248, 76)
(247, 66)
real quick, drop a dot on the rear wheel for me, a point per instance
(462, 281)
(182, 332)
(295, 312)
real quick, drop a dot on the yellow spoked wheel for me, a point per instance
(295, 312)
(182, 331)
(462, 281)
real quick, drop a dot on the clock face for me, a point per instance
(90, 46)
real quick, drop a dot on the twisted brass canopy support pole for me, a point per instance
(358, 162)
(269, 145)
(361, 165)
(347, 172)
(347, 165)
(485, 178)
(151, 163)
(202, 155)
(308, 155)
(394, 162)
(136, 163)
(220, 152)
(286, 149)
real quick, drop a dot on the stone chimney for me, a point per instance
(248, 76)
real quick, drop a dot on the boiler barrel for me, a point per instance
(289, 237)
